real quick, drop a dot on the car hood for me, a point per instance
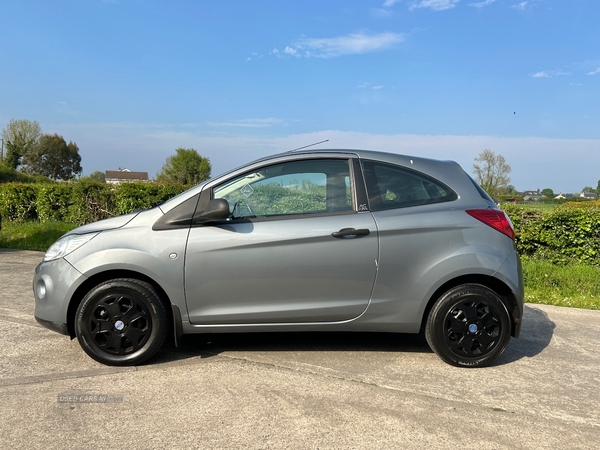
(106, 224)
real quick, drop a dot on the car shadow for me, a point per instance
(536, 334)
(208, 345)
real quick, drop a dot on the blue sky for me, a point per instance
(131, 80)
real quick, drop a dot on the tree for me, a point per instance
(54, 158)
(97, 176)
(20, 137)
(492, 172)
(185, 167)
(508, 190)
(588, 189)
(548, 192)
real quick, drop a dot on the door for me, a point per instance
(294, 251)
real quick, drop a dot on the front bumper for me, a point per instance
(54, 283)
(58, 327)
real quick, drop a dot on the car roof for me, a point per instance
(394, 158)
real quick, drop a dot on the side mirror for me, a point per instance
(216, 210)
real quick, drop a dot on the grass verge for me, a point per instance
(574, 285)
(32, 235)
(538, 206)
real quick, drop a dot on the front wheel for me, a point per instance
(468, 326)
(121, 322)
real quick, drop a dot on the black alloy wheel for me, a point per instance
(468, 326)
(121, 322)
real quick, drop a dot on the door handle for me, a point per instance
(347, 232)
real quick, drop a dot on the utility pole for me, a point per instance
(2, 151)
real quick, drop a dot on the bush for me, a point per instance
(133, 196)
(564, 235)
(53, 202)
(18, 202)
(583, 204)
(90, 201)
(80, 202)
(10, 175)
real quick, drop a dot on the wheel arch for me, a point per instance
(95, 280)
(496, 285)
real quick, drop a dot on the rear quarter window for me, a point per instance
(390, 186)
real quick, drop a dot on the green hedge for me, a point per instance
(10, 175)
(91, 201)
(80, 202)
(18, 202)
(53, 201)
(563, 235)
(132, 196)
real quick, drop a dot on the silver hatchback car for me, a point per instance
(325, 240)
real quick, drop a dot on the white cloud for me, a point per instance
(255, 55)
(542, 74)
(291, 51)
(367, 85)
(482, 4)
(250, 123)
(389, 3)
(352, 44)
(583, 67)
(520, 6)
(435, 5)
(549, 74)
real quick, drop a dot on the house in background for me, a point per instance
(530, 196)
(125, 176)
(586, 195)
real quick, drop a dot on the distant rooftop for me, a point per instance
(125, 176)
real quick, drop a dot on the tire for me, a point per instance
(468, 326)
(121, 322)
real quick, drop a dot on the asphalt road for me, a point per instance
(296, 390)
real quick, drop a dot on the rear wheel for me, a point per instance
(121, 322)
(468, 326)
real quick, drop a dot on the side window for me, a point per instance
(295, 187)
(390, 186)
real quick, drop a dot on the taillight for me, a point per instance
(494, 218)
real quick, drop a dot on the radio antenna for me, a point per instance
(310, 145)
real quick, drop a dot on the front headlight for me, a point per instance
(66, 245)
